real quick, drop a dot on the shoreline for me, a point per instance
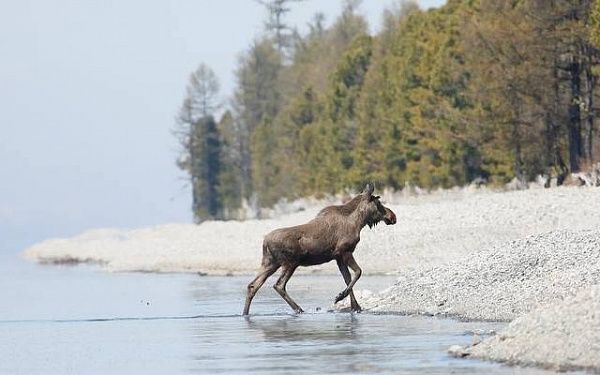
(499, 283)
(432, 230)
(561, 337)
(467, 255)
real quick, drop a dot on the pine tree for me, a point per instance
(256, 100)
(230, 176)
(199, 138)
(279, 31)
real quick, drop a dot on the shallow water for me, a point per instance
(79, 320)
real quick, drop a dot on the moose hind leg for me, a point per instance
(347, 277)
(280, 288)
(255, 285)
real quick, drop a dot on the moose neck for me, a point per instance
(360, 220)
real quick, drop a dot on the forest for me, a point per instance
(494, 91)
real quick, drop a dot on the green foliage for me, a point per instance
(230, 174)
(256, 100)
(202, 163)
(258, 95)
(411, 125)
(595, 24)
(301, 149)
(200, 142)
(475, 88)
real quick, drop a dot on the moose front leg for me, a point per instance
(255, 285)
(347, 278)
(349, 260)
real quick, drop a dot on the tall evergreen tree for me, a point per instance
(257, 99)
(275, 25)
(230, 171)
(199, 138)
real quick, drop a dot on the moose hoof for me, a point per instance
(340, 297)
(299, 310)
(356, 308)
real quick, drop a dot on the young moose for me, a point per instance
(333, 234)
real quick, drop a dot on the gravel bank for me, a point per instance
(501, 282)
(562, 336)
(432, 230)
(546, 284)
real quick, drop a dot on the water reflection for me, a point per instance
(311, 343)
(276, 341)
(298, 328)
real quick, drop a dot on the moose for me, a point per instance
(332, 234)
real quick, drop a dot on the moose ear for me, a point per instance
(369, 188)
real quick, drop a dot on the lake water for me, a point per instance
(79, 320)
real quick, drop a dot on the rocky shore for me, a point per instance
(546, 285)
(561, 336)
(501, 282)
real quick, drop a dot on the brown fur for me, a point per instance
(332, 234)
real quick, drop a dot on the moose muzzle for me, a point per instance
(390, 217)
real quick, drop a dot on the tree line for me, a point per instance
(476, 89)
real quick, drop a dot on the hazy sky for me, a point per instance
(88, 94)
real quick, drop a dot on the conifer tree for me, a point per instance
(199, 138)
